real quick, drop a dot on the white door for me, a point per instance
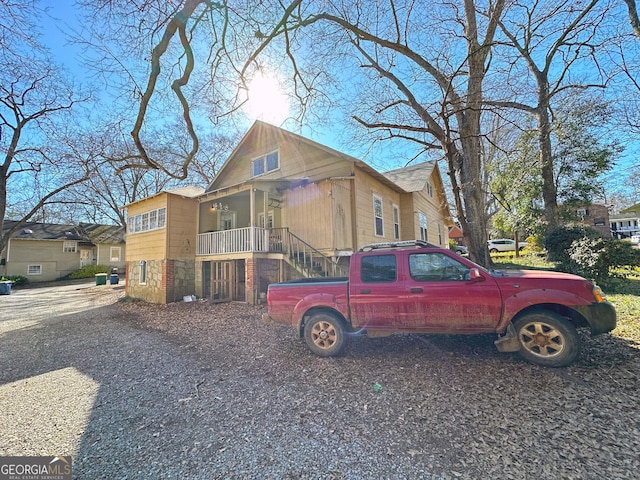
(86, 257)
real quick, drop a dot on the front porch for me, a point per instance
(238, 264)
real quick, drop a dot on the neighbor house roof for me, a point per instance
(85, 232)
(101, 234)
(46, 231)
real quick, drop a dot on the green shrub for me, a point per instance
(558, 241)
(16, 280)
(596, 258)
(452, 244)
(89, 271)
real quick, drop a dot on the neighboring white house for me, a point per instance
(626, 223)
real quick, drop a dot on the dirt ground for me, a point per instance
(194, 390)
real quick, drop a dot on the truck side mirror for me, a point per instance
(475, 275)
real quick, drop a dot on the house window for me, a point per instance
(114, 254)
(377, 214)
(162, 217)
(422, 219)
(598, 221)
(265, 164)
(439, 234)
(69, 247)
(143, 272)
(269, 220)
(146, 221)
(396, 222)
(34, 270)
(583, 212)
(153, 219)
(430, 189)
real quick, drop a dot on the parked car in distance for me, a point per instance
(461, 250)
(505, 245)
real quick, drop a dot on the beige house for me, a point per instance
(44, 251)
(281, 207)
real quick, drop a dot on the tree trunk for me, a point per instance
(549, 190)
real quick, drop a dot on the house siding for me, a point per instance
(169, 252)
(297, 160)
(23, 253)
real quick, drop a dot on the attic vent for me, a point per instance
(68, 234)
(27, 231)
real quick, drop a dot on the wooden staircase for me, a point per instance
(305, 259)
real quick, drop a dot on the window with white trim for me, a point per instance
(69, 246)
(430, 189)
(439, 234)
(377, 216)
(422, 220)
(265, 164)
(396, 222)
(146, 221)
(34, 270)
(114, 254)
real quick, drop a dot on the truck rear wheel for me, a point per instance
(324, 334)
(547, 339)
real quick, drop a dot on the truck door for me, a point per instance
(441, 297)
(374, 289)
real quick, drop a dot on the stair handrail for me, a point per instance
(295, 246)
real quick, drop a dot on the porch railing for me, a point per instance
(302, 256)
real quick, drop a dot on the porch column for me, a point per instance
(252, 208)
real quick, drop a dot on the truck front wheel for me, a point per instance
(547, 339)
(324, 334)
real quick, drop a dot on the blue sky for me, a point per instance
(62, 18)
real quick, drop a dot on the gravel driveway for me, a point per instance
(200, 391)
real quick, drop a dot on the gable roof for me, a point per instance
(46, 231)
(260, 126)
(84, 232)
(100, 234)
(412, 178)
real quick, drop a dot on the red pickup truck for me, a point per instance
(415, 287)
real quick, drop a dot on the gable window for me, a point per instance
(69, 247)
(422, 219)
(34, 270)
(377, 215)
(143, 272)
(265, 164)
(396, 222)
(429, 189)
(114, 254)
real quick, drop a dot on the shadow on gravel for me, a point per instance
(202, 391)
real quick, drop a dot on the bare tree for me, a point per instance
(633, 16)
(35, 160)
(553, 39)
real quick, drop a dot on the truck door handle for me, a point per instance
(365, 291)
(416, 290)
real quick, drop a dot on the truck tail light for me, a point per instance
(598, 294)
